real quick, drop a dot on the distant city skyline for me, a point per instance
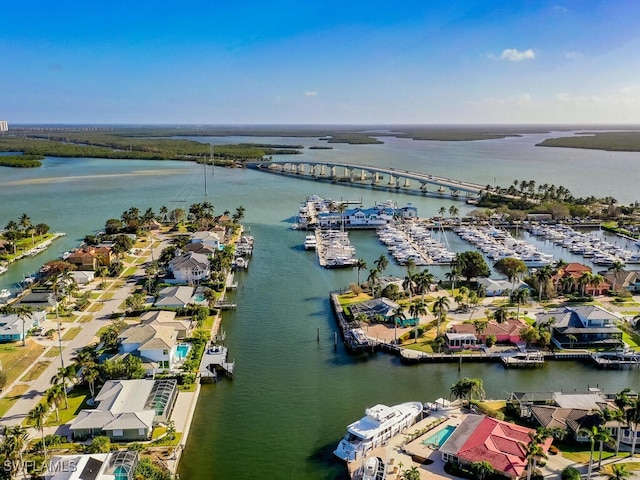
(321, 62)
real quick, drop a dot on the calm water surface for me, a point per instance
(292, 396)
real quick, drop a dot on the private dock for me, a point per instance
(214, 359)
(528, 359)
(616, 360)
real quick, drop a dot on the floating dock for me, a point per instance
(214, 360)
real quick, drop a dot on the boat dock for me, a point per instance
(334, 249)
(616, 360)
(214, 359)
(528, 359)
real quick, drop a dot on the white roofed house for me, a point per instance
(127, 410)
(156, 344)
(212, 239)
(190, 267)
(14, 328)
(175, 297)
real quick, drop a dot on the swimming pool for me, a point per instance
(437, 439)
(182, 350)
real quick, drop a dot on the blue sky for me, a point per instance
(320, 62)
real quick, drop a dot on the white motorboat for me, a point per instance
(5, 293)
(374, 469)
(310, 242)
(376, 428)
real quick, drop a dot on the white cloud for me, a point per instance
(515, 55)
(311, 93)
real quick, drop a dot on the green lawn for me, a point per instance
(71, 333)
(52, 352)
(16, 359)
(35, 371)
(11, 397)
(580, 454)
(77, 399)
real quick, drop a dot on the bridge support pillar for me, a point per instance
(301, 168)
(375, 178)
(363, 175)
(423, 188)
(333, 172)
(407, 183)
(347, 172)
(392, 180)
(322, 172)
(313, 170)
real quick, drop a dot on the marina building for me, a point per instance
(4, 126)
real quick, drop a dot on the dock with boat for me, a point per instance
(214, 360)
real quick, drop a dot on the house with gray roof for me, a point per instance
(582, 326)
(175, 297)
(127, 410)
(14, 328)
(156, 344)
(190, 267)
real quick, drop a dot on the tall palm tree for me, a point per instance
(543, 275)
(440, 308)
(54, 396)
(632, 415)
(583, 281)
(534, 453)
(410, 264)
(603, 436)
(408, 284)
(24, 313)
(616, 268)
(63, 375)
(592, 434)
(360, 265)
(423, 281)
(381, 263)
(372, 279)
(481, 470)
(453, 276)
(37, 416)
(520, 296)
(416, 309)
(397, 315)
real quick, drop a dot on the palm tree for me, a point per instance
(520, 296)
(381, 263)
(416, 309)
(632, 415)
(621, 401)
(468, 388)
(543, 275)
(572, 339)
(453, 211)
(440, 308)
(360, 265)
(63, 375)
(452, 276)
(617, 267)
(408, 284)
(603, 436)
(397, 315)
(583, 281)
(619, 472)
(481, 470)
(239, 215)
(372, 279)
(410, 264)
(423, 281)
(534, 453)
(37, 416)
(592, 434)
(24, 313)
(19, 438)
(54, 395)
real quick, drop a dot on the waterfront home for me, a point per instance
(626, 279)
(209, 238)
(167, 318)
(582, 326)
(502, 444)
(568, 279)
(190, 267)
(156, 344)
(497, 287)
(571, 420)
(118, 465)
(505, 332)
(14, 328)
(37, 300)
(376, 308)
(201, 248)
(458, 341)
(83, 277)
(92, 257)
(127, 410)
(175, 297)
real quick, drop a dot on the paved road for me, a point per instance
(87, 335)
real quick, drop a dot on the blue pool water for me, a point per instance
(440, 436)
(182, 350)
(199, 298)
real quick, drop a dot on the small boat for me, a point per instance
(3, 269)
(310, 242)
(374, 469)
(5, 293)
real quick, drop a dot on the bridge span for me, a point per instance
(377, 177)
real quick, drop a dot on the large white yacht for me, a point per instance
(376, 428)
(310, 242)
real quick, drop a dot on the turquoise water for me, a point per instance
(292, 396)
(440, 436)
(199, 298)
(182, 350)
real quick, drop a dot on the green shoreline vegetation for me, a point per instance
(608, 141)
(21, 161)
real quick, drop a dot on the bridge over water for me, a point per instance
(377, 177)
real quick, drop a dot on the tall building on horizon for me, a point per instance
(4, 126)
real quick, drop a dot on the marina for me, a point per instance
(415, 242)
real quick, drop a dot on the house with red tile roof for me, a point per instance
(571, 274)
(90, 258)
(504, 445)
(505, 332)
